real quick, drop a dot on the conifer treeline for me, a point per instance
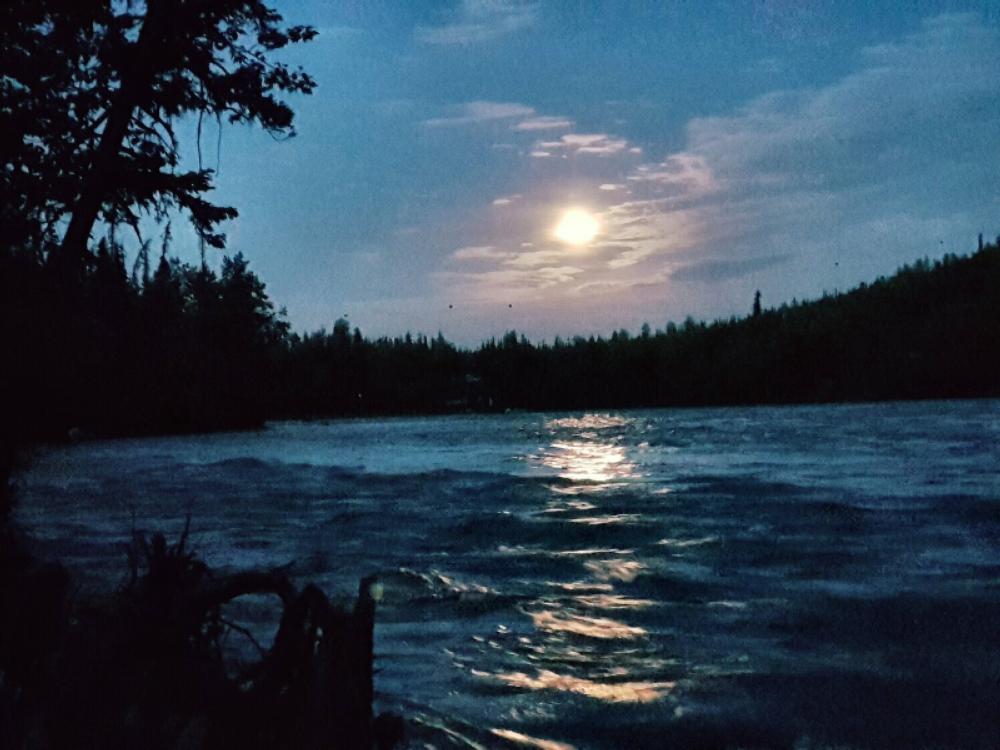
(929, 331)
(178, 347)
(932, 330)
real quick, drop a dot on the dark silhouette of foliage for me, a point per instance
(91, 93)
(187, 350)
(194, 350)
(148, 668)
(930, 331)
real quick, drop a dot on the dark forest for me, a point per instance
(179, 347)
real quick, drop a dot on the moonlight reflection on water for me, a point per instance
(720, 577)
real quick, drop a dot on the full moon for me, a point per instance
(576, 227)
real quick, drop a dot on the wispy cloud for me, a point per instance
(599, 144)
(722, 270)
(637, 230)
(536, 258)
(506, 200)
(481, 111)
(624, 283)
(792, 171)
(689, 173)
(865, 173)
(871, 126)
(479, 252)
(544, 122)
(478, 21)
(508, 283)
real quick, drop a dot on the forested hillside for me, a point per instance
(929, 331)
(932, 330)
(172, 346)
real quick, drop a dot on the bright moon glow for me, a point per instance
(576, 227)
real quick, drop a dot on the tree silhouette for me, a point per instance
(96, 89)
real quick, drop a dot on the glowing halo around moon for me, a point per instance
(576, 227)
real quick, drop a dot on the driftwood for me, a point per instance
(148, 668)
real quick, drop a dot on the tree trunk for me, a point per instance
(135, 78)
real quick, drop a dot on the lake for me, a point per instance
(800, 577)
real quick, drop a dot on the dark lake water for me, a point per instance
(796, 577)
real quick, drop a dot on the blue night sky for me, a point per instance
(721, 147)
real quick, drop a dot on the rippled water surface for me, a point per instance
(796, 577)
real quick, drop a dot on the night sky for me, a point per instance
(715, 147)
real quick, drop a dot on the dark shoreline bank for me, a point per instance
(173, 356)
